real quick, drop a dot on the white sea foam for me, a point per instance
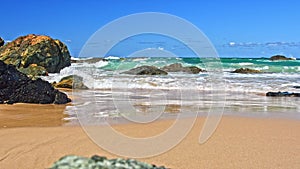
(112, 58)
(245, 63)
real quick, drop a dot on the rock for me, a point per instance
(98, 162)
(296, 87)
(280, 57)
(1, 42)
(41, 50)
(92, 60)
(246, 70)
(145, 70)
(177, 67)
(71, 82)
(16, 87)
(281, 94)
(33, 71)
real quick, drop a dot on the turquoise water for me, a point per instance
(228, 64)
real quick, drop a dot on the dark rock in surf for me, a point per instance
(282, 94)
(91, 60)
(245, 71)
(279, 57)
(145, 70)
(177, 67)
(16, 87)
(71, 82)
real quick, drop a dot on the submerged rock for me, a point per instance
(280, 57)
(16, 87)
(177, 67)
(99, 162)
(246, 70)
(1, 42)
(296, 87)
(281, 94)
(71, 82)
(146, 70)
(41, 50)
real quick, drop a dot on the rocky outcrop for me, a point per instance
(177, 67)
(41, 50)
(246, 70)
(100, 162)
(1, 42)
(280, 57)
(283, 94)
(71, 82)
(16, 87)
(145, 70)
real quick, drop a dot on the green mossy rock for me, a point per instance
(41, 50)
(71, 82)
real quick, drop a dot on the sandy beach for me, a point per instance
(238, 142)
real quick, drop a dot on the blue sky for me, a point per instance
(236, 28)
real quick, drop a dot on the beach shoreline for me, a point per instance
(239, 142)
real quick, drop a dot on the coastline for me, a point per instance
(239, 142)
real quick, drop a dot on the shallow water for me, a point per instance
(113, 95)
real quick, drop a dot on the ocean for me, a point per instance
(112, 95)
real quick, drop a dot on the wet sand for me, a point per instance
(34, 138)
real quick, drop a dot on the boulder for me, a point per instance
(1, 42)
(33, 71)
(71, 82)
(177, 67)
(280, 57)
(16, 87)
(283, 94)
(145, 70)
(100, 162)
(246, 70)
(41, 50)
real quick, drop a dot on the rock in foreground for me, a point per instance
(41, 50)
(71, 82)
(16, 87)
(246, 70)
(146, 70)
(279, 57)
(98, 162)
(177, 67)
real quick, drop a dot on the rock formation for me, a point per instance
(279, 57)
(16, 87)
(41, 50)
(245, 71)
(177, 67)
(145, 70)
(71, 82)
